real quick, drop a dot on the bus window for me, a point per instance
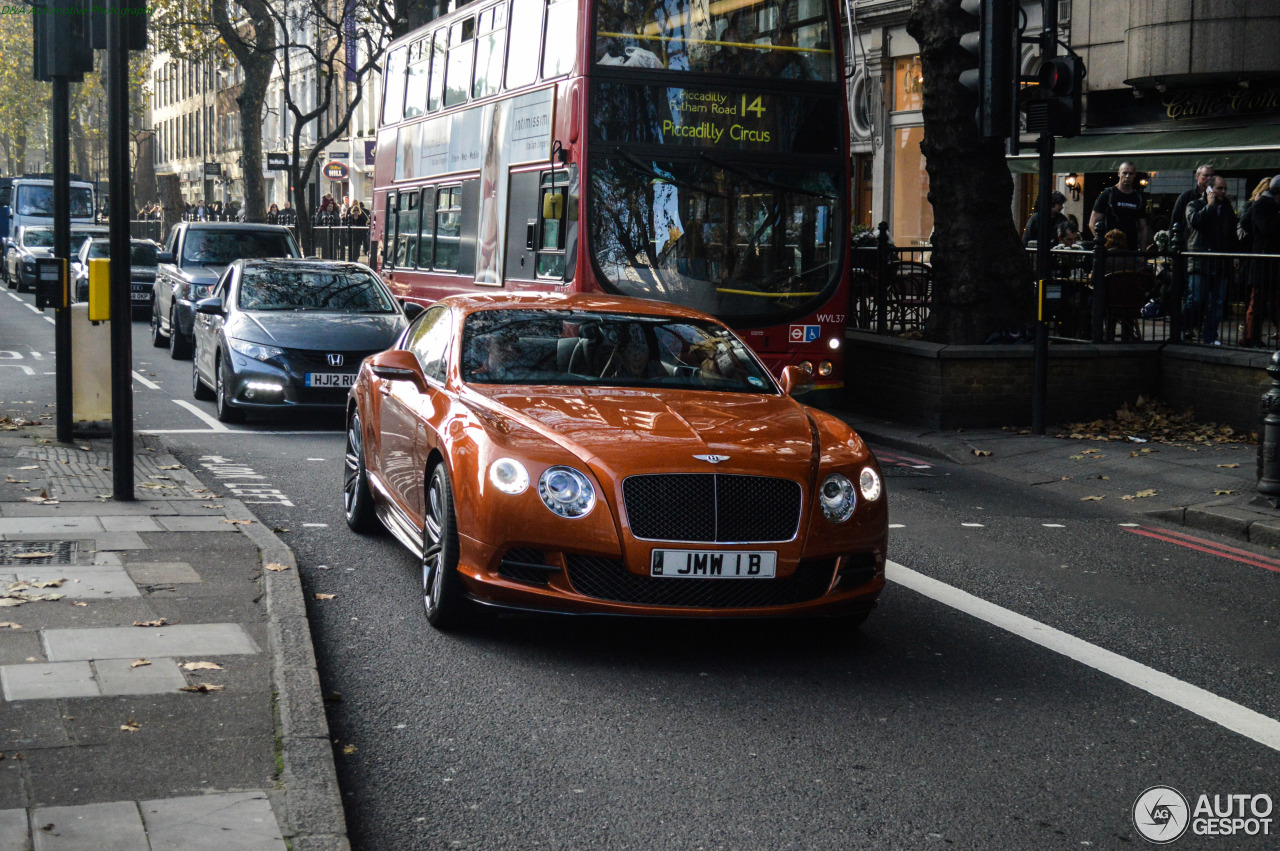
(562, 37)
(436, 94)
(393, 105)
(522, 52)
(415, 99)
(426, 245)
(457, 80)
(407, 236)
(490, 44)
(388, 233)
(553, 219)
(448, 227)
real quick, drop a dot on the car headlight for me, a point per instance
(254, 350)
(566, 492)
(837, 497)
(198, 291)
(869, 484)
(509, 476)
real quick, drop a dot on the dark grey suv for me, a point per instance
(194, 256)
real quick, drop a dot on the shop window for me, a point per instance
(908, 84)
(912, 213)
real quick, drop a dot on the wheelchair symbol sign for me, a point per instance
(805, 333)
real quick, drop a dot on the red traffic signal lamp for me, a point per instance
(1059, 109)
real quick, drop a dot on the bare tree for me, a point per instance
(981, 275)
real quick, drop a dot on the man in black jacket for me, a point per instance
(1204, 177)
(1261, 224)
(1211, 224)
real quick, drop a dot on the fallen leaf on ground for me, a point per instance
(153, 476)
(11, 480)
(1221, 492)
(169, 467)
(156, 622)
(280, 529)
(40, 500)
(325, 596)
(10, 625)
(131, 726)
(30, 467)
(276, 568)
(48, 583)
(138, 663)
(349, 749)
(79, 603)
(156, 486)
(200, 666)
(982, 453)
(1146, 493)
(238, 522)
(211, 505)
(202, 688)
(1228, 466)
(1092, 498)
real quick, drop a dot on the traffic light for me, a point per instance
(994, 80)
(1058, 109)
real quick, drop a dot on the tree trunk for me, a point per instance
(256, 55)
(170, 190)
(982, 278)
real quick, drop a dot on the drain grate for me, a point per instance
(64, 552)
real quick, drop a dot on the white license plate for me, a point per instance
(142, 296)
(713, 564)
(331, 379)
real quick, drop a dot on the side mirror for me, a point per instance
(795, 381)
(164, 257)
(412, 310)
(210, 307)
(398, 365)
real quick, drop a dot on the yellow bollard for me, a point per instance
(99, 289)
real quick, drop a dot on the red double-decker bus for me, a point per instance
(690, 151)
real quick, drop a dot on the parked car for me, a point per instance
(32, 242)
(142, 272)
(289, 334)
(191, 262)
(601, 455)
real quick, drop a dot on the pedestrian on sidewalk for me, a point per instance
(1260, 226)
(1211, 223)
(1204, 177)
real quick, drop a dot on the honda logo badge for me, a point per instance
(712, 459)
(335, 360)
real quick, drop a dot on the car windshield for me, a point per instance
(566, 347)
(38, 238)
(142, 254)
(313, 289)
(37, 200)
(221, 247)
(99, 248)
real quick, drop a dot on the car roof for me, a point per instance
(233, 226)
(306, 263)
(591, 302)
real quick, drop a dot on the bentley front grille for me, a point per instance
(712, 507)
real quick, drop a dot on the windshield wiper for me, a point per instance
(746, 175)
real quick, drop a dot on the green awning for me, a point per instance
(1253, 147)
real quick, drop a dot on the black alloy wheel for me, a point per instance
(159, 340)
(443, 596)
(199, 389)
(357, 499)
(226, 413)
(179, 343)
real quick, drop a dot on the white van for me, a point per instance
(31, 203)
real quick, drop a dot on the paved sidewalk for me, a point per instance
(1206, 487)
(158, 686)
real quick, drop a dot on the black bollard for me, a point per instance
(1269, 445)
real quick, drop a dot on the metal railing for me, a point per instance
(1095, 295)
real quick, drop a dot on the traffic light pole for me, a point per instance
(121, 307)
(1040, 380)
(60, 122)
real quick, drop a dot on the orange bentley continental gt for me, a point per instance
(587, 454)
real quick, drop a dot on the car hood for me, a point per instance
(203, 275)
(635, 430)
(317, 331)
(36, 252)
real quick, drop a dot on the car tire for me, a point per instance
(226, 413)
(159, 340)
(179, 343)
(443, 595)
(199, 389)
(357, 499)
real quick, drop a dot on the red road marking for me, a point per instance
(1209, 547)
(901, 459)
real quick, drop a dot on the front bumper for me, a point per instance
(257, 384)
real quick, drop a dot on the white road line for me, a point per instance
(1130, 525)
(316, 525)
(972, 525)
(896, 526)
(150, 385)
(49, 319)
(33, 308)
(1053, 525)
(1206, 704)
(217, 426)
(315, 459)
(14, 296)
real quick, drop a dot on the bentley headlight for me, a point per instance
(566, 492)
(509, 476)
(254, 350)
(837, 498)
(869, 484)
